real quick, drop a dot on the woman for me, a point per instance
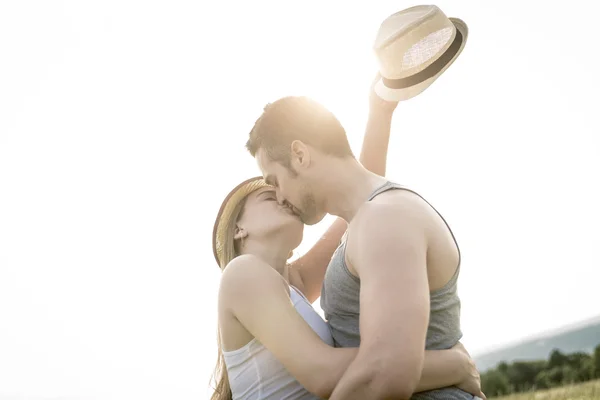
(272, 343)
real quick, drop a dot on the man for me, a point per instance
(397, 268)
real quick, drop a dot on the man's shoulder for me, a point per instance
(389, 207)
(394, 214)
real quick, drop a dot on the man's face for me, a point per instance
(291, 187)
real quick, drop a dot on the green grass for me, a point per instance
(583, 391)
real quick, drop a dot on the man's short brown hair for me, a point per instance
(297, 118)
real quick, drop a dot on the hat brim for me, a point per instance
(239, 193)
(406, 93)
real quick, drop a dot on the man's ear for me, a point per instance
(300, 154)
(240, 233)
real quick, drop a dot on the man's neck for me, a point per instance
(349, 187)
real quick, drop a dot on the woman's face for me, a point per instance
(263, 217)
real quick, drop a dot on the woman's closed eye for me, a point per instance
(269, 196)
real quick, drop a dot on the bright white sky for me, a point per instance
(123, 123)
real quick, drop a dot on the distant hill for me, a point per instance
(583, 336)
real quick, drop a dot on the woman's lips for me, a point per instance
(290, 210)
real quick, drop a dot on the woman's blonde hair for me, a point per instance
(231, 249)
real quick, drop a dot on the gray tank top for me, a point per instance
(340, 303)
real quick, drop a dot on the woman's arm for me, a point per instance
(441, 368)
(256, 295)
(453, 367)
(310, 269)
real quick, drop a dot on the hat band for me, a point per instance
(431, 70)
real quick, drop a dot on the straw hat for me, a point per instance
(414, 47)
(238, 194)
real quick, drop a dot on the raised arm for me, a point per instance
(256, 296)
(394, 300)
(308, 271)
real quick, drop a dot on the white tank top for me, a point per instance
(255, 373)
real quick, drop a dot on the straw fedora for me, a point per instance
(238, 194)
(414, 47)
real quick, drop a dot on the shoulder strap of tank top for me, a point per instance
(299, 293)
(392, 185)
(383, 188)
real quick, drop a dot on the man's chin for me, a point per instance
(311, 219)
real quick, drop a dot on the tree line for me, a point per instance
(523, 376)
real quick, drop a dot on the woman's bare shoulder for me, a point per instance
(245, 275)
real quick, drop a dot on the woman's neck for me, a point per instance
(277, 260)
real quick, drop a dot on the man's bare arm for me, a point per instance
(388, 251)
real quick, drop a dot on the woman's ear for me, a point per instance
(240, 233)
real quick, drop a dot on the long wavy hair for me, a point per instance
(231, 249)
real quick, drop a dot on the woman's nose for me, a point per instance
(280, 200)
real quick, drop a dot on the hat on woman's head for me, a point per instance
(234, 197)
(414, 47)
